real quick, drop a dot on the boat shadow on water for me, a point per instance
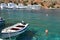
(28, 35)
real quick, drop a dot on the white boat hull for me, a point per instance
(7, 35)
(14, 30)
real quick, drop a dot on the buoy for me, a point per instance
(46, 14)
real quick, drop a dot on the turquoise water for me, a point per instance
(38, 21)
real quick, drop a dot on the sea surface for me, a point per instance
(39, 21)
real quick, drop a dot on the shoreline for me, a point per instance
(43, 3)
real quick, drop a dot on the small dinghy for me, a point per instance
(14, 30)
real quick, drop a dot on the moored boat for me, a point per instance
(11, 6)
(3, 5)
(21, 6)
(14, 30)
(34, 7)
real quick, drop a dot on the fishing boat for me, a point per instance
(14, 30)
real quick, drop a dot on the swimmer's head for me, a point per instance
(46, 30)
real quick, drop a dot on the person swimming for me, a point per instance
(46, 31)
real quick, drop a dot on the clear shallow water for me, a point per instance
(38, 21)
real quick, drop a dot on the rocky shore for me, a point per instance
(47, 4)
(50, 4)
